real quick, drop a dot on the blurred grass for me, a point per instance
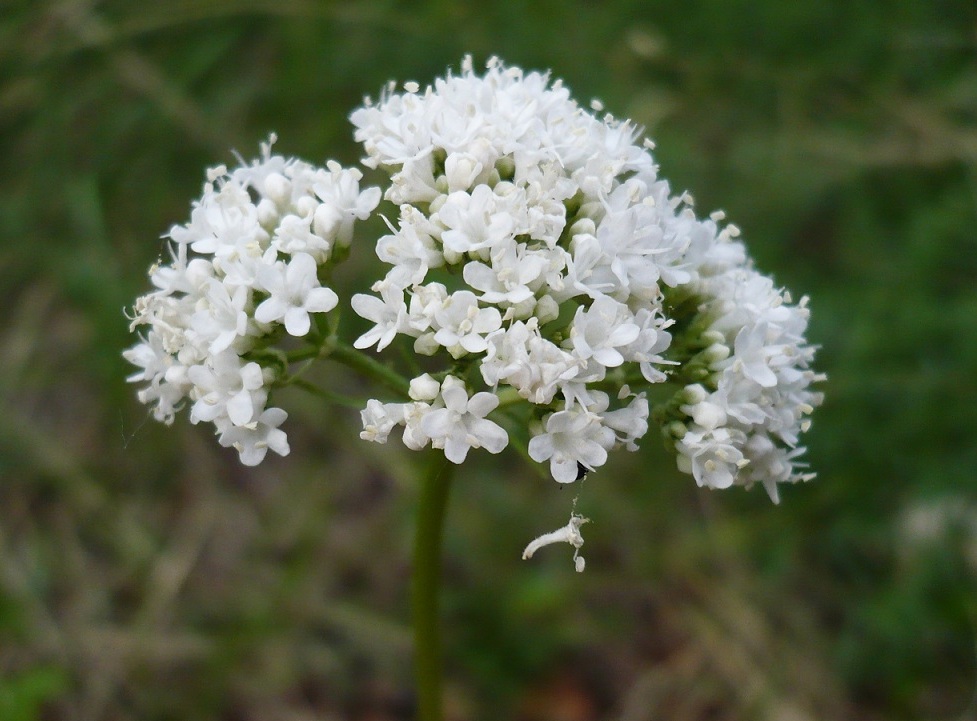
(144, 574)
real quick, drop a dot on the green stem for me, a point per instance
(425, 584)
(367, 365)
(334, 349)
(315, 390)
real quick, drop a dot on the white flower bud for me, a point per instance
(306, 205)
(267, 212)
(460, 170)
(424, 388)
(277, 188)
(326, 221)
(694, 394)
(426, 345)
(584, 226)
(715, 353)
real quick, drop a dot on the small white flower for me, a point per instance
(475, 222)
(461, 424)
(226, 387)
(294, 293)
(294, 235)
(411, 250)
(389, 313)
(573, 438)
(601, 331)
(521, 357)
(461, 170)
(222, 316)
(462, 325)
(514, 269)
(424, 388)
(342, 202)
(254, 440)
(630, 422)
(379, 419)
(714, 456)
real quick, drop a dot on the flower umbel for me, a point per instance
(552, 289)
(577, 263)
(249, 262)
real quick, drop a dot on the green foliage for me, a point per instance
(22, 696)
(146, 575)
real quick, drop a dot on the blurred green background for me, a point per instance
(145, 574)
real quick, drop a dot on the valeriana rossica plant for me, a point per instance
(537, 257)
(558, 296)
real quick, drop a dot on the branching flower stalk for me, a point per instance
(545, 286)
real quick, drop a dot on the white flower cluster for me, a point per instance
(247, 266)
(742, 421)
(537, 253)
(538, 249)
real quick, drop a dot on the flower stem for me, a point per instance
(425, 584)
(338, 351)
(337, 398)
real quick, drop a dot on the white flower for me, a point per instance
(462, 325)
(508, 280)
(254, 440)
(222, 222)
(294, 235)
(411, 250)
(460, 171)
(226, 387)
(602, 330)
(715, 456)
(461, 424)
(630, 422)
(415, 437)
(225, 291)
(222, 316)
(342, 202)
(156, 364)
(573, 437)
(389, 313)
(521, 357)
(294, 293)
(424, 388)
(475, 222)
(379, 419)
(652, 341)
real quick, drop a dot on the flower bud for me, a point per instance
(715, 353)
(267, 213)
(460, 170)
(277, 188)
(326, 221)
(426, 345)
(424, 388)
(547, 309)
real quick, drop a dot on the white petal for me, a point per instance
(541, 447)
(456, 450)
(438, 423)
(321, 300)
(481, 404)
(240, 408)
(491, 436)
(270, 310)
(297, 322)
(563, 469)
